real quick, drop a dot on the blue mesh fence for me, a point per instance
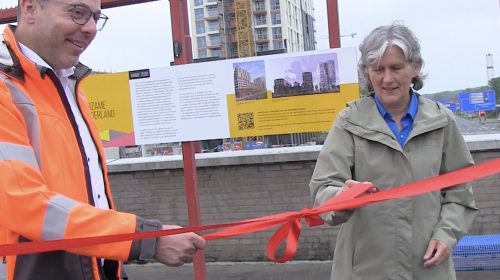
(477, 252)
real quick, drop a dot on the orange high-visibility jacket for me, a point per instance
(45, 190)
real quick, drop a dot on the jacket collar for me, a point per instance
(14, 63)
(9, 62)
(412, 108)
(363, 119)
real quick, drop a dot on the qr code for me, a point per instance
(245, 121)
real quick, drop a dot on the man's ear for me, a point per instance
(28, 10)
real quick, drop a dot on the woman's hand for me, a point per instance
(350, 183)
(437, 252)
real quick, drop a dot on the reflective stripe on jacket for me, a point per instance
(45, 190)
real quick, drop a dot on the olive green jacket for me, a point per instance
(388, 240)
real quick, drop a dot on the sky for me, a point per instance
(455, 36)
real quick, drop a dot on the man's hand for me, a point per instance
(177, 249)
(436, 253)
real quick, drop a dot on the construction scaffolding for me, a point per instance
(244, 32)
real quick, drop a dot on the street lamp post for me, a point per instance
(349, 35)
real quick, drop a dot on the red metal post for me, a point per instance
(332, 8)
(180, 32)
(183, 55)
(191, 187)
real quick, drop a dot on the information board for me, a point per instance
(268, 95)
(451, 105)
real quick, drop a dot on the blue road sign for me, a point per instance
(477, 101)
(452, 105)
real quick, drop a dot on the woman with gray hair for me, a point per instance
(393, 137)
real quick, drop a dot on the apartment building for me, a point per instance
(237, 28)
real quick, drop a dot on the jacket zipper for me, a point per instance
(64, 99)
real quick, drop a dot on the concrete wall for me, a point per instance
(248, 184)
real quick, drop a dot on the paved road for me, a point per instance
(474, 127)
(296, 270)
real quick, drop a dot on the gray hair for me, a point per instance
(379, 41)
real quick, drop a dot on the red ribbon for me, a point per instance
(290, 221)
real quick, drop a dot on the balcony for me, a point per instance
(260, 22)
(262, 47)
(213, 30)
(261, 40)
(212, 16)
(278, 44)
(260, 11)
(211, 47)
(209, 3)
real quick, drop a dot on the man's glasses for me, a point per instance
(81, 14)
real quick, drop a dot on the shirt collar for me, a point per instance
(412, 107)
(33, 56)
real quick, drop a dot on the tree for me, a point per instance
(494, 84)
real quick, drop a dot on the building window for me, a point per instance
(277, 33)
(199, 14)
(200, 27)
(260, 6)
(233, 52)
(278, 44)
(262, 47)
(213, 12)
(215, 52)
(275, 4)
(198, 2)
(201, 41)
(202, 53)
(214, 40)
(213, 26)
(261, 33)
(260, 19)
(276, 18)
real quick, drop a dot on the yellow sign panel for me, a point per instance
(109, 101)
(295, 114)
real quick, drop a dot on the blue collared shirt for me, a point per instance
(406, 121)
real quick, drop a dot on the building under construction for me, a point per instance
(241, 28)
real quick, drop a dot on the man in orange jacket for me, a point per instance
(53, 182)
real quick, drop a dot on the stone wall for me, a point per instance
(247, 184)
